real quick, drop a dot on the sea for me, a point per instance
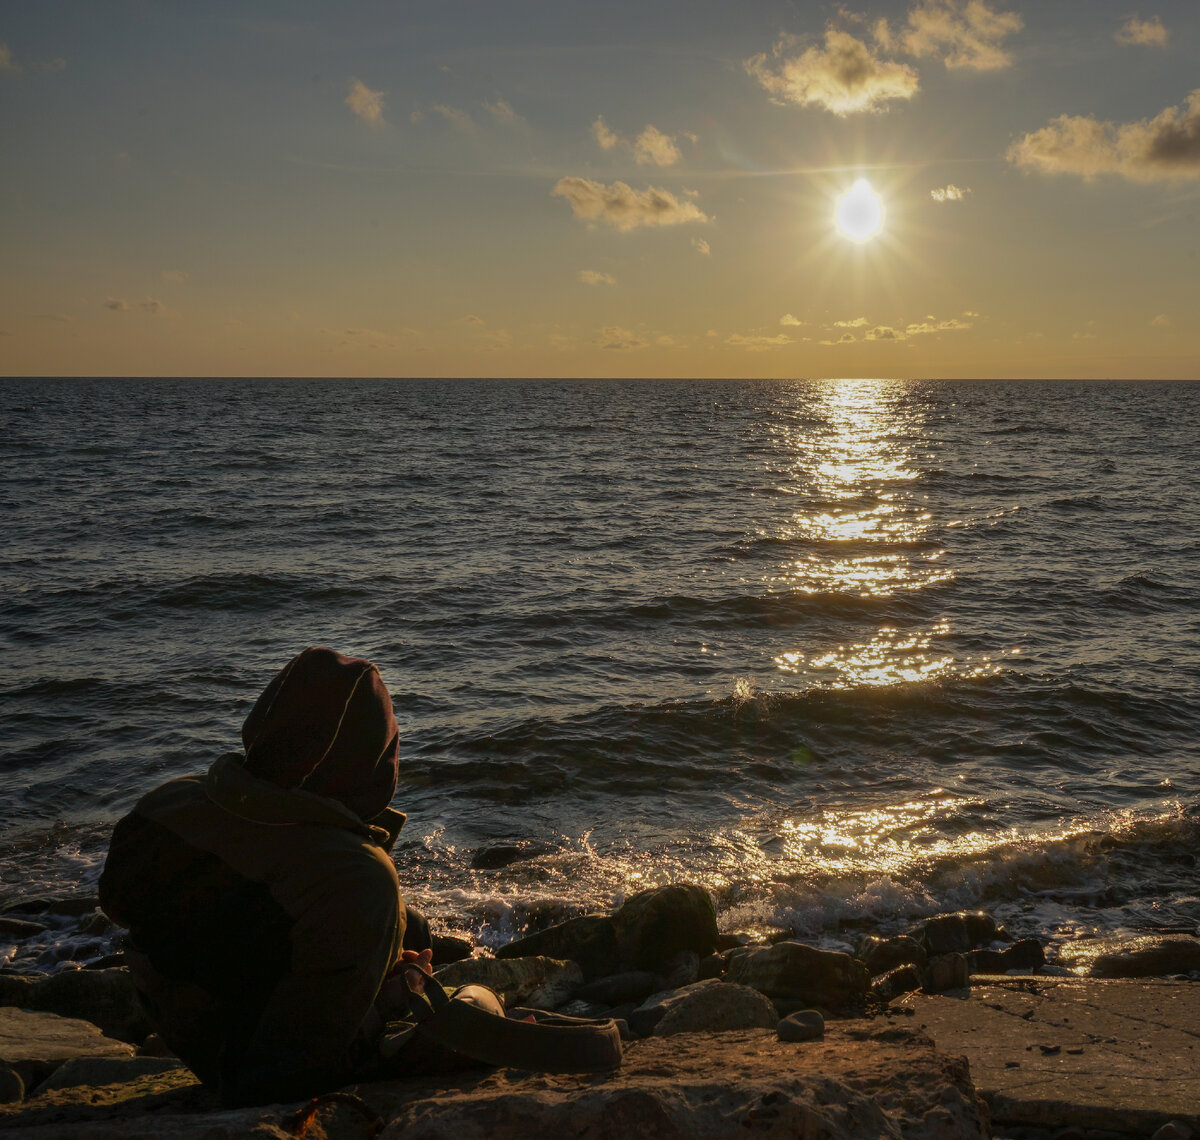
(847, 653)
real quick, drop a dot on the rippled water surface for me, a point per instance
(846, 651)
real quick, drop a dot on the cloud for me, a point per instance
(152, 306)
(1162, 321)
(498, 341)
(503, 113)
(116, 304)
(918, 328)
(1149, 32)
(595, 277)
(365, 103)
(458, 118)
(788, 319)
(7, 63)
(57, 318)
(654, 147)
(604, 134)
(950, 193)
(174, 276)
(962, 34)
(619, 339)
(844, 77)
(753, 343)
(471, 319)
(1161, 149)
(883, 332)
(701, 246)
(623, 207)
(845, 338)
(367, 338)
(855, 323)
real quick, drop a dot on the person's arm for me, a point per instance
(309, 1037)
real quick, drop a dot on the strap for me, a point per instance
(551, 1042)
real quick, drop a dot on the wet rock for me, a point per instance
(655, 925)
(681, 970)
(901, 980)
(715, 1007)
(986, 962)
(36, 1043)
(19, 927)
(590, 940)
(803, 1025)
(945, 972)
(12, 1087)
(106, 998)
(496, 855)
(450, 948)
(1148, 957)
(792, 970)
(631, 986)
(1024, 954)
(880, 955)
(956, 933)
(711, 967)
(104, 1071)
(537, 982)
(71, 906)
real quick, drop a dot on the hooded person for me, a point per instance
(263, 908)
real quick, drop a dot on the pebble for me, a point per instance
(803, 1025)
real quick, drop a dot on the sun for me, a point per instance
(859, 213)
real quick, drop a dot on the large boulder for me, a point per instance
(880, 955)
(655, 925)
(715, 1007)
(1145, 957)
(538, 982)
(106, 998)
(34, 1044)
(956, 933)
(105, 1071)
(795, 972)
(590, 940)
(631, 986)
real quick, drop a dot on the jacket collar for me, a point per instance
(232, 788)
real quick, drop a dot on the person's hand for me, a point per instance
(414, 967)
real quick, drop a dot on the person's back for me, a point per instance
(263, 909)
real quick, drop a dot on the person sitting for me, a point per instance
(263, 909)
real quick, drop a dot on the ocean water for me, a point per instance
(846, 652)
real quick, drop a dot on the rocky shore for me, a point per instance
(951, 1029)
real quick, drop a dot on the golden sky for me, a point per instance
(630, 189)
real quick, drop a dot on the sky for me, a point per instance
(561, 189)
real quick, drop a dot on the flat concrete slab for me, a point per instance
(1051, 1052)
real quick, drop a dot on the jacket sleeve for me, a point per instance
(310, 1036)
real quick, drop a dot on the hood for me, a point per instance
(325, 725)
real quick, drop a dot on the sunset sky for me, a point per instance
(620, 189)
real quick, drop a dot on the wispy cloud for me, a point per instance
(173, 276)
(845, 338)
(961, 33)
(10, 64)
(752, 342)
(595, 277)
(624, 208)
(1162, 321)
(927, 327)
(116, 304)
(788, 319)
(152, 306)
(501, 110)
(604, 135)
(471, 319)
(7, 63)
(701, 246)
(1162, 149)
(652, 147)
(844, 77)
(950, 193)
(853, 323)
(365, 103)
(1150, 33)
(456, 117)
(618, 339)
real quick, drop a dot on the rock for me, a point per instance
(1024, 954)
(72, 906)
(1173, 1130)
(711, 967)
(538, 982)
(450, 948)
(19, 928)
(104, 1071)
(715, 1007)
(803, 1025)
(632, 986)
(580, 1008)
(1149, 957)
(655, 925)
(35, 1043)
(901, 980)
(681, 970)
(945, 972)
(880, 955)
(496, 855)
(590, 940)
(646, 1016)
(793, 970)
(12, 1087)
(106, 998)
(154, 1046)
(986, 962)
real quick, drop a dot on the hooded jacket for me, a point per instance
(263, 908)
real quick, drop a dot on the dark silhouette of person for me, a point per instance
(263, 908)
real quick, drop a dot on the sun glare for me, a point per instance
(859, 212)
